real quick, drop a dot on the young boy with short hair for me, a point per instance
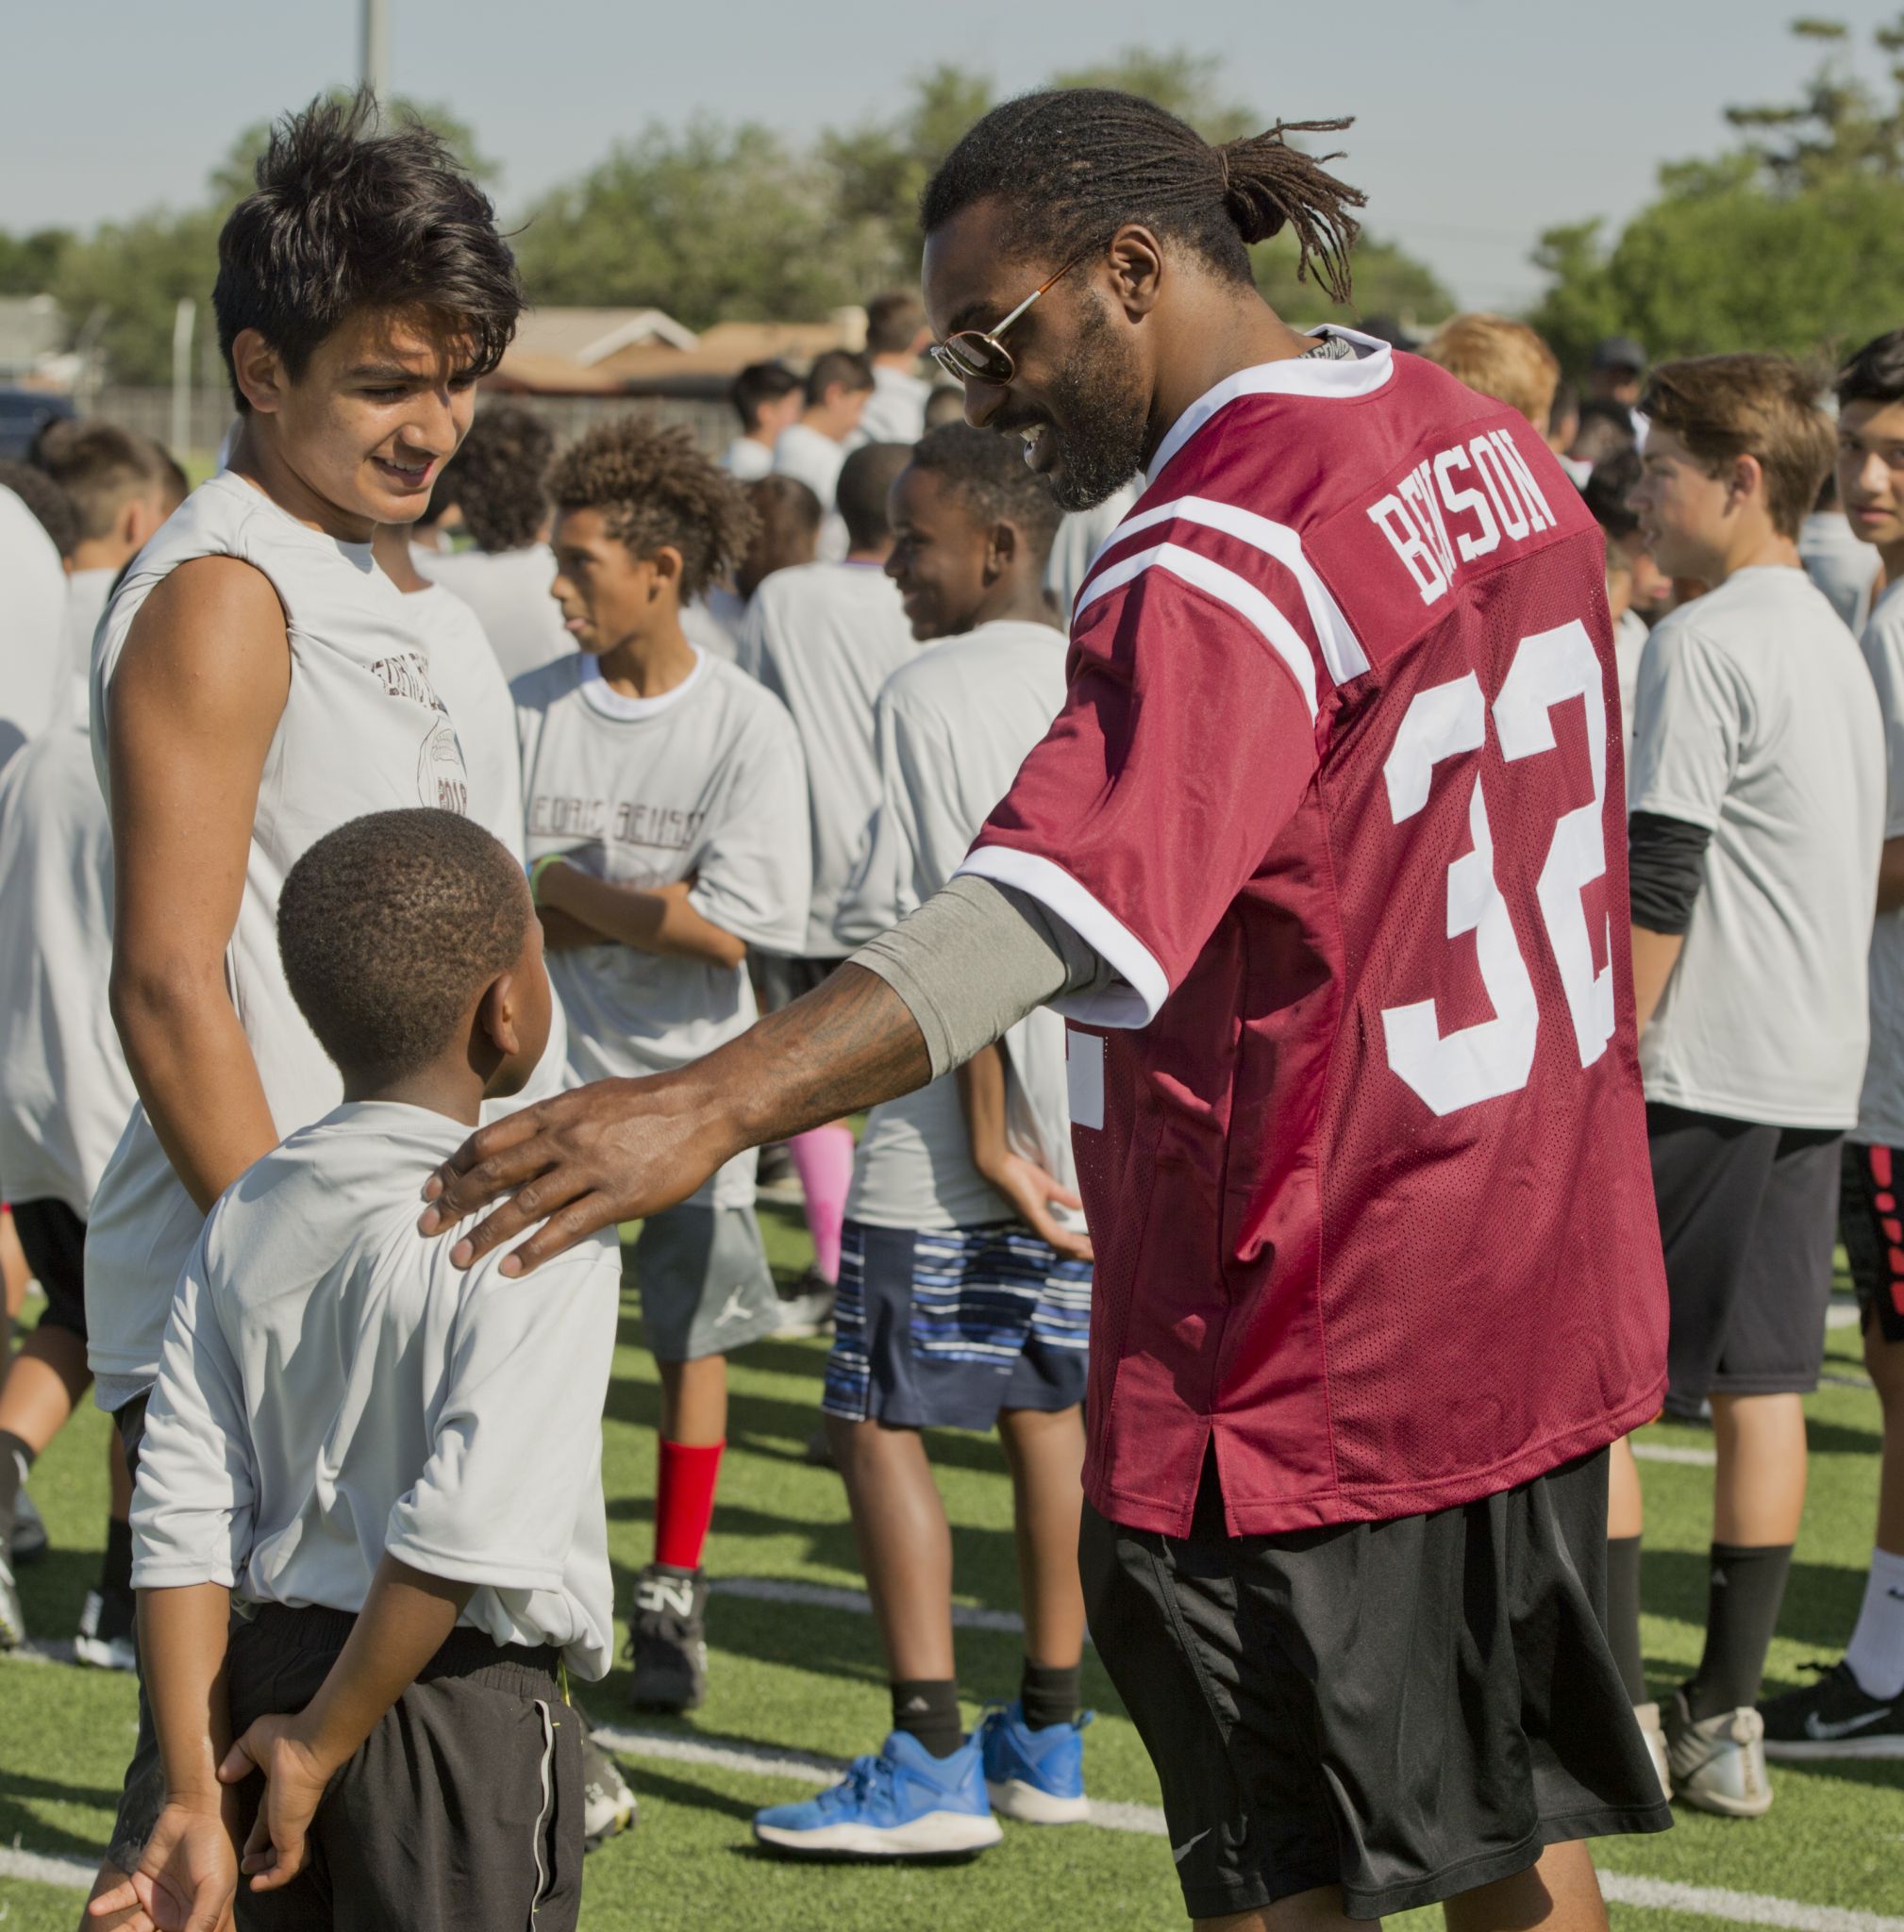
(396, 1465)
(964, 1293)
(1856, 1709)
(1758, 810)
(666, 804)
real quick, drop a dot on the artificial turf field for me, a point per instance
(795, 1676)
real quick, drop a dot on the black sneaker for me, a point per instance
(668, 1639)
(1833, 1718)
(806, 1306)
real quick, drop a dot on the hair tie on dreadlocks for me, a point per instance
(1268, 185)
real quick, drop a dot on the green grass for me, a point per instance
(788, 1675)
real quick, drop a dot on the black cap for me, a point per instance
(1619, 352)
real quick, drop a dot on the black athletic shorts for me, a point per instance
(463, 1808)
(53, 1239)
(1407, 1709)
(1871, 1222)
(1748, 1215)
(779, 980)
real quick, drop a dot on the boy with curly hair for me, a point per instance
(667, 802)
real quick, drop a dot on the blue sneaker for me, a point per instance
(903, 1804)
(1037, 1776)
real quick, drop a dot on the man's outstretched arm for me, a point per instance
(971, 962)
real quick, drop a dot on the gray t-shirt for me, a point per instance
(823, 638)
(1757, 721)
(509, 590)
(954, 725)
(332, 1386)
(1880, 1111)
(705, 781)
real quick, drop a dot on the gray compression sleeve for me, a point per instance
(974, 961)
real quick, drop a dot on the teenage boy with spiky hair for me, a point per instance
(1856, 1709)
(666, 800)
(965, 1293)
(1758, 811)
(258, 681)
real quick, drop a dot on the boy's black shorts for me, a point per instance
(1871, 1220)
(1748, 1217)
(463, 1808)
(1407, 1709)
(53, 1239)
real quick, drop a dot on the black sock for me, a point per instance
(1623, 1613)
(928, 1708)
(1742, 1610)
(1048, 1694)
(16, 1459)
(115, 1573)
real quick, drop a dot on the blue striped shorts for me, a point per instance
(940, 1328)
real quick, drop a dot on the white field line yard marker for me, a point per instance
(807, 1768)
(1667, 1452)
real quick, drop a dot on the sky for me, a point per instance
(1480, 123)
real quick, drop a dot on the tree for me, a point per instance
(710, 223)
(1794, 240)
(29, 262)
(1188, 85)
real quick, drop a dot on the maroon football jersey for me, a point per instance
(1337, 792)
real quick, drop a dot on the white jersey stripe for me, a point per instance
(1342, 650)
(1203, 573)
(1326, 379)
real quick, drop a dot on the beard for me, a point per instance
(1099, 414)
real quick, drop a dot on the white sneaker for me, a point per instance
(1655, 1734)
(1718, 1763)
(608, 1804)
(12, 1620)
(104, 1638)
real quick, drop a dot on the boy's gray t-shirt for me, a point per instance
(705, 781)
(331, 1387)
(823, 638)
(1757, 720)
(954, 725)
(1880, 1110)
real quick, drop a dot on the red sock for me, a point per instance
(684, 1501)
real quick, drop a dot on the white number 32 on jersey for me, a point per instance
(1450, 1071)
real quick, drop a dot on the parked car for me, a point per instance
(22, 412)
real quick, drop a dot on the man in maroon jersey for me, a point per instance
(1324, 859)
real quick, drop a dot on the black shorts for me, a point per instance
(463, 1808)
(1748, 1215)
(1407, 1709)
(779, 980)
(53, 1239)
(1872, 1226)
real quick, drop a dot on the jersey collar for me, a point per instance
(1324, 378)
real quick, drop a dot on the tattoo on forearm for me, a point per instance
(849, 1044)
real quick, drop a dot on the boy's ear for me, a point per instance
(666, 564)
(1001, 548)
(258, 371)
(1748, 477)
(496, 1015)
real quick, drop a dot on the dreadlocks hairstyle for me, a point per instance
(655, 488)
(348, 215)
(1072, 165)
(985, 473)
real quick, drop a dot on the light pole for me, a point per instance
(183, 318)
(373, 65)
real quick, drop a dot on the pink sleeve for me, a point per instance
(1186, 743)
